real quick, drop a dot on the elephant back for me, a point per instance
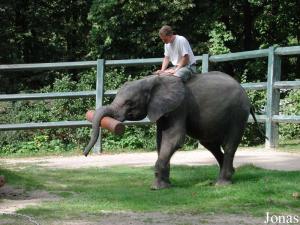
(217, 90)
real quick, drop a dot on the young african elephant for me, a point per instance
(211, 107)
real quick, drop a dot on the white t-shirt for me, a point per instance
(177, 49)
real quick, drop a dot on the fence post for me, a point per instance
(205, 63)
(273, 98)
(99, 98)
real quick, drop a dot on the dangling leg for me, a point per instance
(171, 136)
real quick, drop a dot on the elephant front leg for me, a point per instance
(170, 139)
(162, 175)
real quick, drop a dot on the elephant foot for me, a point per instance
(223, 182)
(225, 177)
(233, 171)
(157, 185)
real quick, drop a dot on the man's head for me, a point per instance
(166, 34)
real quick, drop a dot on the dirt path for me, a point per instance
(14, 199)
(267, 159)
(176, 219)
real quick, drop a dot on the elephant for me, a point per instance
(211, 107)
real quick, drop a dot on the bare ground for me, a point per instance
(13, 199)
(267, 159)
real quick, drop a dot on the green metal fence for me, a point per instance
(273, 86)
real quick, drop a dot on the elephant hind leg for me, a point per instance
(230, 147)
(227, 170)
(215, 149)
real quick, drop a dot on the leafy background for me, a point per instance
(60, 30)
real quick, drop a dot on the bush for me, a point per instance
(68, 109)
(39, 144)
(290, 106)
(49, 111)
(252, 136)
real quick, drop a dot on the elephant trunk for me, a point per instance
(99, 114)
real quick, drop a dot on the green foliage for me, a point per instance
(134, 138)
(25, 142)
(50, 111)
(49, 31)
(290, 106)
(41, 31)
(129, 29)
(218, 37)
(39, 145)
(252, 136)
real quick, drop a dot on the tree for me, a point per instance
(41, 31)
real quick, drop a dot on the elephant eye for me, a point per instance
(130, 103)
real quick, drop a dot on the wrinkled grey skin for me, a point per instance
(211, 107)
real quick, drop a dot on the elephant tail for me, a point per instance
(252, 111)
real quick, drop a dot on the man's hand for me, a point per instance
(158, 72)
(169, 71)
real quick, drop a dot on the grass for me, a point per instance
(86, 192)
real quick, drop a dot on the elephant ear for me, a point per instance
(166, 95)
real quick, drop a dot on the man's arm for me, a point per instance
(164, 66)
(165, 63)
(183, 62)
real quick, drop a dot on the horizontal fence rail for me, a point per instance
(293, 50)
(287, 84)
(41, 96)
(44, 125)
(48, 66)
(56, 95)
(272, 86)
(255, 86)
(239, 56)
(286, 119)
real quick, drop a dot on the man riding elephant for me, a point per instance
(178, 51)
